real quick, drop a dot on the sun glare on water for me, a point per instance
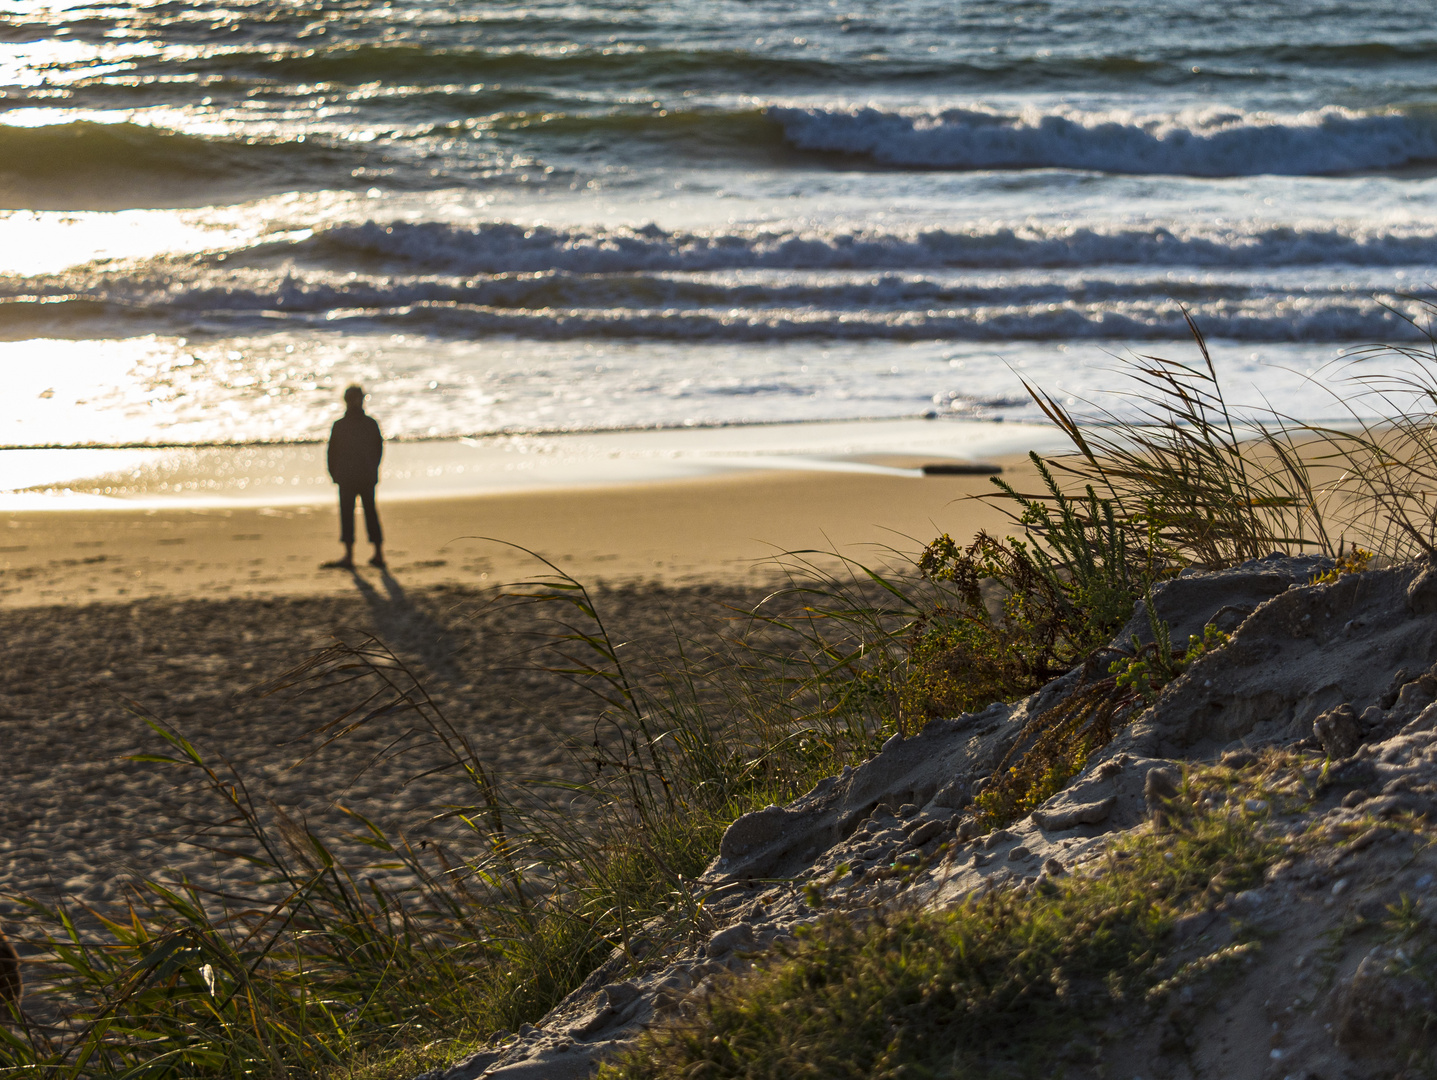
(46, 242)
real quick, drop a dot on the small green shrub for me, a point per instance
(1021, 612)
(1056, 744)
(1147, 671)
(1353, 561)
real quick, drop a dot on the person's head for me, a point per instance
(354, 398)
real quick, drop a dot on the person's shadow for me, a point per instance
(407, 629)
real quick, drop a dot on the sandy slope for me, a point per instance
(1336, 679)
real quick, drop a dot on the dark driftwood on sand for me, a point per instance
(961, 468)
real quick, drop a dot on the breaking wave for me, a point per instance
(501, 247)
(560, 306)
(90, 164)
(1214, 142)
(66, 149)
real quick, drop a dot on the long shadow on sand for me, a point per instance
(406, 628)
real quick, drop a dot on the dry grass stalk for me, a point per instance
(1213, 489)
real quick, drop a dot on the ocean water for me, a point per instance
(589, 215)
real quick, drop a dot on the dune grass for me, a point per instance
(1210, 488)
(1009, 983)
(361, 954)
(315, 961)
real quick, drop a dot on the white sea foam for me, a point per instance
(454, 212)
(739, 306)
(1289, 319)
(503, 247)
(1208, 142)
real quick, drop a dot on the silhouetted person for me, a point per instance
(355, 447)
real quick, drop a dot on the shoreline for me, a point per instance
(293, 474)
(518, 432)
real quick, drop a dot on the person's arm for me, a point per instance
(330, 454)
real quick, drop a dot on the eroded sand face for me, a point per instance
(1341, 669)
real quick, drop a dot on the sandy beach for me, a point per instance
(723, 527)
(107, 614)
(701, 307)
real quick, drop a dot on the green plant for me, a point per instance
(1054, 746)
(1212, 489)
(1023, 611)
(1404, 921)
(1005, 984)
(1353, 561)
(1152, 667)
(308, 965)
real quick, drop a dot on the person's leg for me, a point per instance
(346, 523)
(371, 526)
